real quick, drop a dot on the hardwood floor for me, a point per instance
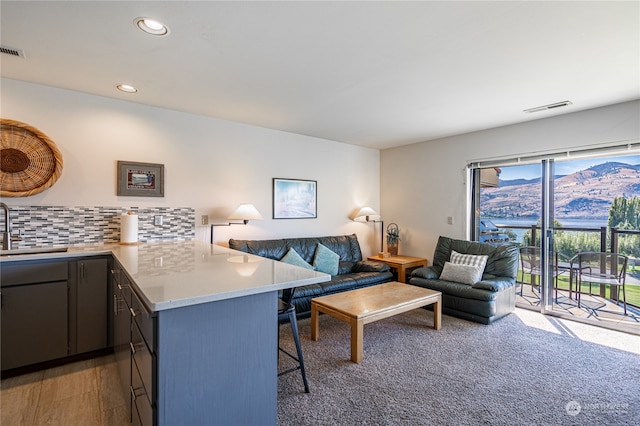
(84, 393)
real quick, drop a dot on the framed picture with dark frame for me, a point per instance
(294, 199)
(140, 179)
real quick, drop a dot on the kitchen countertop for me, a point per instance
(174, 274)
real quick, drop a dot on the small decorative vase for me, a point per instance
(393, 237)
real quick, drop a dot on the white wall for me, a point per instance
(425, 183)
(211, 165)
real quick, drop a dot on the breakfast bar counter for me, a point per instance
(173, 274)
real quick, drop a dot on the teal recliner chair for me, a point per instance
(485, 301)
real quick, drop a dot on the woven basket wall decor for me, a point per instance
(30, 162)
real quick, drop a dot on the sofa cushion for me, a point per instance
(494, 284)
(345, 267)
(293, 258)
(461, 273)
(365, 279)
(370, 266)
(325, 260)
(338, 283)
(308, 291)
(455, 289)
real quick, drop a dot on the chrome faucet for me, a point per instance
(7, 239)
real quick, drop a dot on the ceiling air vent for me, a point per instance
(12, 51)
(550, 106)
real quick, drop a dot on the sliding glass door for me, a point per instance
(555, 206)
(596, 206)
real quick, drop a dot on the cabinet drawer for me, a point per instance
(143, 319)
(122, 284)
(143, 361)
(33, 272)
(142, 408)
(116, 274)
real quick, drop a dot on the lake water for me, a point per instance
(568, 223)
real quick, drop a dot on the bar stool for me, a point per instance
(285, 307)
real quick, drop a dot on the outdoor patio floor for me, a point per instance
(593, 308)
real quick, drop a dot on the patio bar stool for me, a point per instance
(286, 308)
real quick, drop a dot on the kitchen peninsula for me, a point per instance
(201, 325)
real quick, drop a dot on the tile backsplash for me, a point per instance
(53, 225)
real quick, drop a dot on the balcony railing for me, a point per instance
(614, 241)
(609, 241)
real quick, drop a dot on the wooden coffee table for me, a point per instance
(369, 304)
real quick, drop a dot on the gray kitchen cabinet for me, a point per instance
(133, 344)
(34, 313)
(91, 304)
(52, 309)
(121, 329)
(143, 362)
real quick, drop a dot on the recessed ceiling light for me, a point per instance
(126, 88)
(151, 26)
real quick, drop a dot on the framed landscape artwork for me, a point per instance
(140, 179)
(294, 199)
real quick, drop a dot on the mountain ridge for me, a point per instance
(583, 194)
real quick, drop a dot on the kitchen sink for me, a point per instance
(33, 250)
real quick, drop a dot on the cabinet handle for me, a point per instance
(122, 287)
(133, 312)
(116, 276)
(133, 392)
(82, 271)
(141, 345)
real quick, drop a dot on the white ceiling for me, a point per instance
(376, 74)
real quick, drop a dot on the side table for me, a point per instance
(401, 264)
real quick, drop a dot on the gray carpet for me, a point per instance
(507, 373)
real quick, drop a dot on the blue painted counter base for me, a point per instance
(217, 362)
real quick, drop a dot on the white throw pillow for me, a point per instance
(469, 259)
(459, 273)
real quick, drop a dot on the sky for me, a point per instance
(532, 171)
